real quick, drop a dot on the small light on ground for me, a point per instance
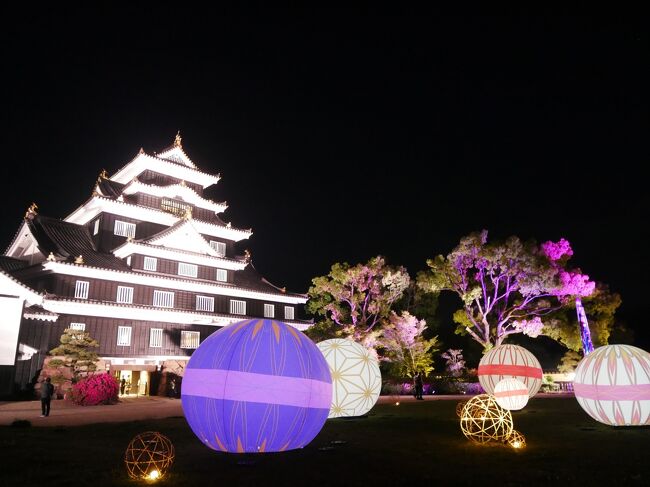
(154, 475)
(397, 403)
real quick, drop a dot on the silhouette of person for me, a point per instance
(122, 386)
(419, 386)
(47, 391)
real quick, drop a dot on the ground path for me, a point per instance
(64, 413)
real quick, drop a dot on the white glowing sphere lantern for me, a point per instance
(510, 361)
(356, 379)
(511, 394)
(612, 384)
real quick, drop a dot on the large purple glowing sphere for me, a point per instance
(256, 386)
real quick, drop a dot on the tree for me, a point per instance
(570, 361)
(507, 287)
(600, 308)
(402, 343)
(455, 362)
(353, 300)
(76, 347)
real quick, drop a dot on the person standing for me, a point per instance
(47, 391)
(122, 386)
(419, 385)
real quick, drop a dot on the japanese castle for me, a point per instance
(146, 266)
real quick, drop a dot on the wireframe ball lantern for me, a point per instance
(510, 361)
(483, 420)
(459, 408)
(356, 379)
(517, 440)
(612, 384)
(511, 394)
(149, 456)
(256, 386)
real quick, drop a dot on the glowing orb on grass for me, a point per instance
(149, 456)
(511, 394)
(356, 379)
(517, 440)
(510, 361)
(459, 408)
(612, 384)
(256, 386)
(483, 420)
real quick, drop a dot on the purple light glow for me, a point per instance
(256, 386)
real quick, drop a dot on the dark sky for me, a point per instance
(343, 135)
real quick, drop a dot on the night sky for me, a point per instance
(343, 135)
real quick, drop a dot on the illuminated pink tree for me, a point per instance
(506, 288)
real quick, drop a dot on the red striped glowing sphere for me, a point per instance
(612, 384)
(511, 394)
(510, 361)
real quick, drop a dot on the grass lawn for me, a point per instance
(416, 443)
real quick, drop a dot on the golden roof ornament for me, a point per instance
(247, 255)
(182, 183)
(178, 140)
(188, 213)
(79, 260)
(51, 258)
(229, 225)
(141, 151)
(31, 211)
(283, 289)
(103, 174)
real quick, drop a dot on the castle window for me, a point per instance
(81, 289)
(204, 303)
(218, 247)
(123, 336)
(96, 227)
(124, 294)
(163, 299)
(124, 229)
(150, 264)
(222, 275)
(288, 312)
(174, 207)
(190, 339)
(189, 270)
(269, 310)
(155, 337)
(237, 307)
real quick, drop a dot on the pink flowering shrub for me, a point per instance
(96, 389)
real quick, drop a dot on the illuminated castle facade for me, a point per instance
(146, 266)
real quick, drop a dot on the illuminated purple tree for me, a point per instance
(506, 288)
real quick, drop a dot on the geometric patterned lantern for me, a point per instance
(356, 379)
(483, 420)
(507, 361)
(149, 456)
(612, 384)
(511, 394)
(256, 386)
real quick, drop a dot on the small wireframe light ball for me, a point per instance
(517, 440)
(511, 394)
(459, 408)
(149, 456)
(483, 420)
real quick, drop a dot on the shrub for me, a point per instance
(96, 389)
